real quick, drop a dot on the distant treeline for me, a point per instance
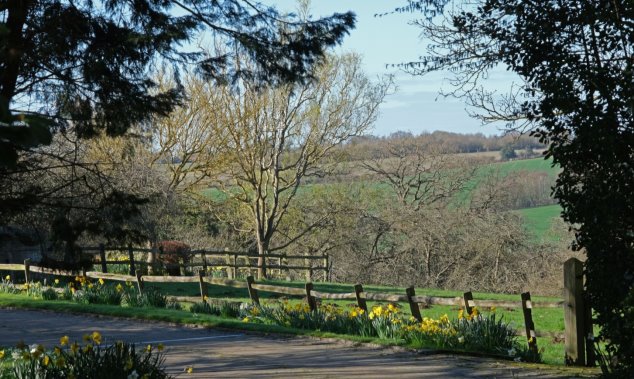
(371, 147)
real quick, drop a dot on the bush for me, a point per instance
(92, 360)
(49, 294)
(217, 308)
(151, 297)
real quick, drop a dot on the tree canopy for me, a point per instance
(574, 59)
(87, 66)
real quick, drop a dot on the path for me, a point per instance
(226, 354)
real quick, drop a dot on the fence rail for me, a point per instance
(311, 295)
(232, 260)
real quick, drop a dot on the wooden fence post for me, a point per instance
(139, 283)
(468, 302)
(531, 336)
(358, 291)
(574, 313)
(312, 303)
(131, 257)
(234, 269)
(309, 270)
(203, 285)
(160, 262)
(203, 256)
(27, 270)
(102, 257)
(325, 263)
(253, 293)
(413, 306)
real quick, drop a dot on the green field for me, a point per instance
(539, 221)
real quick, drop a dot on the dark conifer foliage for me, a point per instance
(87, 66)
(89, 63)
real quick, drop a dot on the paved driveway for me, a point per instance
(226, 354)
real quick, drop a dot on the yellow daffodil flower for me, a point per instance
(96, 337)
(160, 347)
(64, 341)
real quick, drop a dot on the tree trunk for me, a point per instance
(262, 251)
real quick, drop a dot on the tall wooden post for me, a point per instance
(531, 336)
(468, 302)
(203, 285)
(413, 306)
(102, 257)
(161, 261)
(234, 268)
(574, 313)
(358, 291)
(131, 257)
(203, 257)
(312, 303)
(139, 283)
(325, 263)
(253, 293)
(27, 271)
(309, 270)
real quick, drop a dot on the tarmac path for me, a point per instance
(216, 353)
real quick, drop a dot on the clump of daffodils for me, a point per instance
(90, 358)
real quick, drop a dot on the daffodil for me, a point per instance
(96, 337)
(148, 348)
(8, 277)
(46, 360)
(119, 287)
(64, 341)
(56, 281)
(101, 282)
(160, 347)
(74, 348)
(2, 354)
(189, 370)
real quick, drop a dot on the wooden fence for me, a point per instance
(312, 296)
(210, 258)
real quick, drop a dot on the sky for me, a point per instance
(416, 105)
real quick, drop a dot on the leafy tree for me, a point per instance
(574, 60)
(508, 153)
(86, 66)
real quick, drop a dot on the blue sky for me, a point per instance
(416, 106)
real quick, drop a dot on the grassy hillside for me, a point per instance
(539, 221)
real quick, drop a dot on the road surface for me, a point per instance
(232, 354)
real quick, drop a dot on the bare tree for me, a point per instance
(268, 140)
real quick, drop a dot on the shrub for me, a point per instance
(218, 308)
(92, 360)
(151, 297)
(49, 294)
(486, 333)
